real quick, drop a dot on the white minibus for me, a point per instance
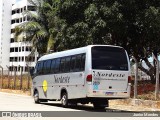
(92, 74)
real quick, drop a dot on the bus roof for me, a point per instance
(70, 52)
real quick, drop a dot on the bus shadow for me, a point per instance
(85, 108)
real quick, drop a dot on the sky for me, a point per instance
(151, 59)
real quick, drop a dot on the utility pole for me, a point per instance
(157, 81)
(155, 57)
(136, 77)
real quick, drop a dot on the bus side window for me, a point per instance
(83, 57)
(72, 63)
(78, 63)
(39, 69)
(62, 65)
(67, 65)
(48, 66)
(52, 66)
(57, 64)
(44, 68)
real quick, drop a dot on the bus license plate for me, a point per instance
(109, 93)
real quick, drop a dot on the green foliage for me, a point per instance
(133, 24)
(67, 24)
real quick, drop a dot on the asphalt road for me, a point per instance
(13, 102)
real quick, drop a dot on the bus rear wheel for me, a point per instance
(64, 99)
(99, 106)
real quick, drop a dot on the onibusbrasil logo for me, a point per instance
(45, 85)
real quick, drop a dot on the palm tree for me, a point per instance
(36, 30)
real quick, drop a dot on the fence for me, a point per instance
(145, 90)
(12, 80)
(15, 81)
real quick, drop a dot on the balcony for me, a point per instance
(24, 53)
(17, 15)
(13, 54)
(12, 35)
(14, 25)
(15, 44)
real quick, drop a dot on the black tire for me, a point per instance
(43, 100)
(64, 99)
(36, 97)
(99, 106)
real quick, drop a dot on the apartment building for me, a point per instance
(14, 54)
(20, 49)
(5, 27)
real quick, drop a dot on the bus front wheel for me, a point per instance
(36, 97)
(64, 100)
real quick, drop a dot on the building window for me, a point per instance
(28, 18)
(22, 58)
(16, 58)
(22, 48)
(28, 48)
(31, 8)
(17, 21)
(13, 12)
(25, 8)
(12, 30)
(18, 11)
(12, 40)
(13, 21)
(11, 49)
(24, 18)
(16, 49)
(20, 19)
(21, 10)
(19, 49)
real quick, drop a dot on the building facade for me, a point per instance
(20, 48)
(5, 28)
(14, 53)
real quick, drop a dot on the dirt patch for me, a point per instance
(28, 93)
(149, 104)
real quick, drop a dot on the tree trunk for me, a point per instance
(150, 72)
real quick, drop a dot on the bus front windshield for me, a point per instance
(109, 58)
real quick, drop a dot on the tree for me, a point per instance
(37, 29)
(68, 24)
(133, 24)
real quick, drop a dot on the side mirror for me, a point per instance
(32, 72)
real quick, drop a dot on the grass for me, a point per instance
(147, 96)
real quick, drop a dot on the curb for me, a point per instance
(137, 103)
